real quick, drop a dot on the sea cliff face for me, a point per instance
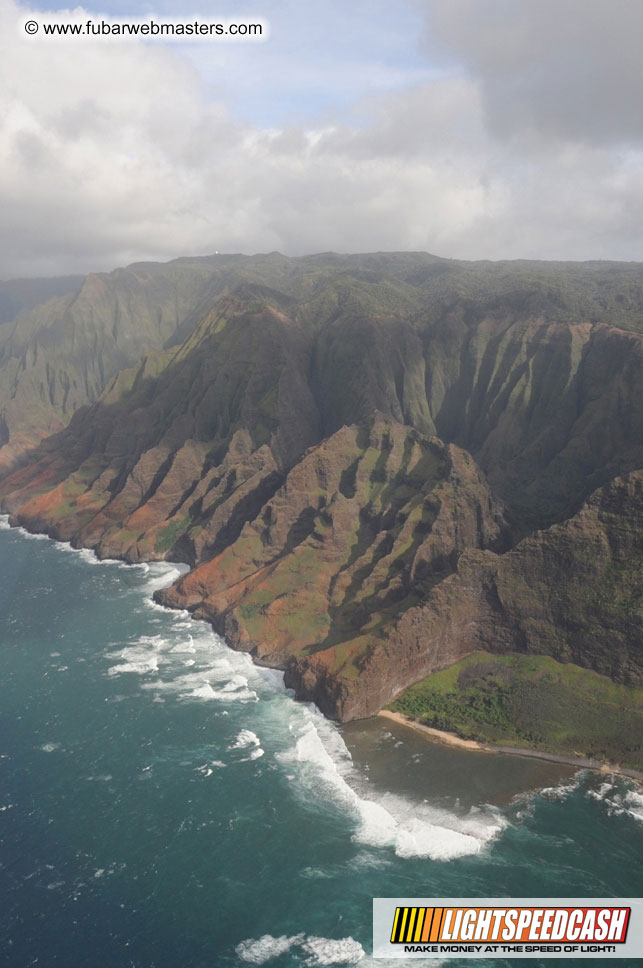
(359, 531)
(573, 592)
(375, 465)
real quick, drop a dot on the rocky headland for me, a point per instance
(374, 465)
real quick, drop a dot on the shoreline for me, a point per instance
(451, 739)
(428, 732)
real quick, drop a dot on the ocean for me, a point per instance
(164, 803)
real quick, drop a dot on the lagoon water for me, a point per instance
(166, 804)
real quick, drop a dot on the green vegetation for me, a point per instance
(168, 535)
(71, 490)
(332, 433)
(532, 701)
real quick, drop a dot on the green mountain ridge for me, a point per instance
(375, 464)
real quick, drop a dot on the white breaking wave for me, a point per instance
(257, 951)
(141, 668)
(163, 573)
(325, 951)
(92, 558)
(633, 804)
(313, 751)
(195, 686)
(86, 554)
(411, 828)
(253, 755)
(563, 789)
(247, 740)
(236, 690)
(316, 951)
(620, 799)
(244, 739)
(207, 769)
(183, 614)
(142, 658)
(33, 537)
(197, 667)
(204, 692)
(183, 647)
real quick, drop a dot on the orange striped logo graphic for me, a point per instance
(421, 925)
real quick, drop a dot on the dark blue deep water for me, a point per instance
(165, 804)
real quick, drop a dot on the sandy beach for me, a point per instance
(450, 739)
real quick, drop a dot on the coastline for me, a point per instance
(451, 739)
(428, 732)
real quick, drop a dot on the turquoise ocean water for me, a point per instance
(166, 804)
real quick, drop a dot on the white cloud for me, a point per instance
(112, 153)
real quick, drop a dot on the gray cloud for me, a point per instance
(564, 69)
(117, 153)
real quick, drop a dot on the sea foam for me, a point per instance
(411, 828)
(563, 789)
(256, 951)
(197, 667)
(312, 750)
(248, 741)
(33, 537)
(142, 657)
(326, 951)
(244, 739)
(316, 951)
(620, 798)
(162, 574)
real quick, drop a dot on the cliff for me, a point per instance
(573, 592)
(374, 464)
(359, 531)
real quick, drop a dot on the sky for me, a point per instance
(473, 129)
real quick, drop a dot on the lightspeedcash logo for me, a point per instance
(509, 925)
(515, 928)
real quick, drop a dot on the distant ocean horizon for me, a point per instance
(165, 803)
